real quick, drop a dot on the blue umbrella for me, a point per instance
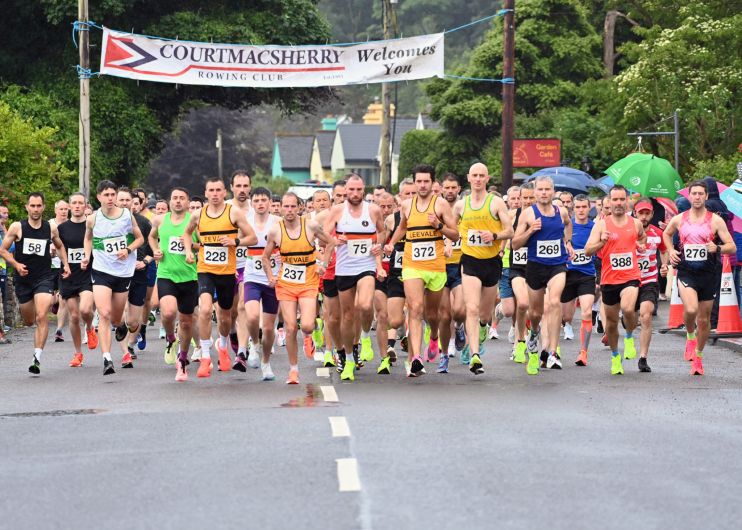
(567, 178)
(605, 183)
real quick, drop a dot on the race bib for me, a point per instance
(456, 245)
(240, 253)
(114, 245)
(695, 252)
(215, 255)
(398, 260)
(257, 264)
(75, 255)
(580, 257)
(175, 245)
(644, 265)
(622, 262)
(474, 239)
(548, 249)
(520, 256)
(423, 251)
(359, 248)
(35, 246)
(294, 273)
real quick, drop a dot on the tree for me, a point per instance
(417, 147)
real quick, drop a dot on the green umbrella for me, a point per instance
(646, 174)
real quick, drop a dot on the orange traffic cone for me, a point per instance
(729, 319)
(675, 319)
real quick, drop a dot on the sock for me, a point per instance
(629, 334)
(241, 350)
(614, 353)
(107, 356)
(699, 354)
(365, 334)
(586, 329)
(205, 347)
(690, 336)
(183, 356)
(223, 341)
(170, 337)
(294, 367)
(391, 342)
(37, 353)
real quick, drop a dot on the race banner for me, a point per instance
(201, 63)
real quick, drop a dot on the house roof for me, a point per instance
(295, 150)
(325, 140)
(402, 126)
(360, 141)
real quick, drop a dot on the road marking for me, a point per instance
(348, 474)
(318, 356)
(339, 426)
(323, 372)
(328, 393)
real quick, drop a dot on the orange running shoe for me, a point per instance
(92, 339)
(182, 372)
(204, 367)
(293, 378)
(127, 361)
(696, 367)
(225, 363)
(76, 361)
(581, 358)
(604, 340)
(690, 349)
(309, 347)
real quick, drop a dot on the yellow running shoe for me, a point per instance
(349, 371)
(520, 352)
(367, 351)
(533, 362)
(385, 367)
(616, 366)
(629, 350)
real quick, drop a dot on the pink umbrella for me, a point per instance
(736, 221)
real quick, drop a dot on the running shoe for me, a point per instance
(499, 315)
(408, 369)
(240, 363)
(696, 367)
(599, 328)
(482, 333)
(443, 365)
(493, 334)
(309, 347)
(554, 362)
(367, 350)
(433, 350)
(92, 338)
(629, 349)
(604, 340)
(385, 366)
(77, 360)
(404, 343)
(225, 363)
(417, 367)
(204, 368)
(426, 334)
(127, 361)
(569, 333)
(35, 367)
(108, 367)
(329, 359)
(511, 335)
(131, 351)
(171, 352)
(267, 372)
(532, 343)
(391, 354)
(460, 337)
(582, 358)
(616, 365)
(58, 336)
(465, 355)
(643, 366)
(121, 331)
(318, 335)
(151, 317)
(520, 352)
(690, 349)
(253, 356)
(281, 336)
(181, 373)
(349, 371)
(532, 366)
(161, 333)
(196, 355)
(544, 358)
(234, 342)
(475, 365)
(142, 337)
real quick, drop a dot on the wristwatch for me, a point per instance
(236, 241)
(128, 250)
(440, 226)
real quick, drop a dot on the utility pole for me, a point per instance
(508, 94)
(84, 120)
(219, 152)
(389, 24)
(674, 133)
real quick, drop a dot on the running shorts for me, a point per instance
(185, 293)
(612, 292)
(538, 274)
(578, 284)
(488, 270)
(433, 280)
(260, 292)
(220, 284)
(115, 283)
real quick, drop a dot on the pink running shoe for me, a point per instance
(690, 349)
(696, 367)
(433, 350)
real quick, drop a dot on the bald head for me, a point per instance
(478, 177)
(478, 168)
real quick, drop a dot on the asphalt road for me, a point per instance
(575, 448)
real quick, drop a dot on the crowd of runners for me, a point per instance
(431, 268)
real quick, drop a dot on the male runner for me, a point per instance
(547, 232)
(77, 289)
(61, 214)
(177, 280)
(580, 283)
(618, 237)
(386, 204)
(517, 276)
(484, 222)
(217, 224)
(35, 280)
(424, 220)
(258, 291)
(698, 268)
(240, 185)
(297, 283)
(112, 237)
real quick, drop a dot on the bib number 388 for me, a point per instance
(622, 262)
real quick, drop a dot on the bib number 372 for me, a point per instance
(423, 251)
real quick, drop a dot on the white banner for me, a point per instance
(202, 63)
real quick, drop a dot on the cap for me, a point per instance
(643, 205)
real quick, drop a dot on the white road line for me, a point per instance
(323, 372)
(328, 393)
(339, 426)
(348, 474)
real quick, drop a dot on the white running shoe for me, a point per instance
(253, 357)
(554, 362)
(493, 333)
(498, 312)
(569, 333)
(196, 355)
(268, 374)
(511, 335)
(281, 335)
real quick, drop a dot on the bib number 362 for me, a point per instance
(549, 249)
(423, 251)
(293, 273)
